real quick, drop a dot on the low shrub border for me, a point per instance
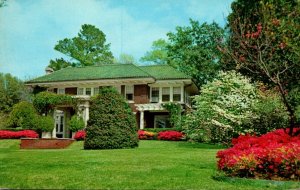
(147, 135)
(169, 135)
(5, 134)
(275, 155)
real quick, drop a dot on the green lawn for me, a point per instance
(154, 165)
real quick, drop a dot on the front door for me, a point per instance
(59, 123)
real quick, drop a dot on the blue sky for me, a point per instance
(29, 29)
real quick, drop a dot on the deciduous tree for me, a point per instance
(194, 50)
(88, 48)
(264, 44)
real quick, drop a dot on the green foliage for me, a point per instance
(223, 110)
(58, 64)
(125, 59)
(270, 111)
(264, 44)
(158, 53)
(44, 102)
(3, 120)
(174, 110)
(23, 116)
(157, 130)
(194, 50)
(111, 123)
(76, 123)
(88, 48)
(12, 91)
(44, 124)
(229, 106)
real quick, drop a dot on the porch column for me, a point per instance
(54, 128)
(87, 115)
(141, 119)
(182, 93)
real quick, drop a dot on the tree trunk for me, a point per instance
(289, 109)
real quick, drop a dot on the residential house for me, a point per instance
(145, 88)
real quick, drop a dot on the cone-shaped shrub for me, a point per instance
(111, 124)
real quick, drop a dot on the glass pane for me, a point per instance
(129, 96)
(176, 90)
(61, 91)
(176, 97)
(79, 91)
(155, 94)
(96, 90)
(129, 89)
(88, 91)
(165, 98)
(166, 90)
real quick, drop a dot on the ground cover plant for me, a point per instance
(153, 165)
(275, 155)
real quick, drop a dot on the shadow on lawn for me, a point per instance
(200, 145)
(259, 183)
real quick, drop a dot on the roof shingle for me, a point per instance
(113, 71)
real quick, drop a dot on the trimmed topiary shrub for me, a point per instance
(76, 123)
(111, 124)
(44, 124)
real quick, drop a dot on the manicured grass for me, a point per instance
(154, 165)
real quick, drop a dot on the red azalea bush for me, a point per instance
(79, 135)
(170, 135)
(275, 155)
(146, 135)
(5, 134)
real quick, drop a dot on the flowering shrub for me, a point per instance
(5, 134)
(275, 155)
(79, 135)
(170, 135)
(146, 135)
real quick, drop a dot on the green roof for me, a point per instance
(112, 71)
(162, 72)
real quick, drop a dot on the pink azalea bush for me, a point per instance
(170, 135)
(80, 135)
(6, 134)
(275, 155)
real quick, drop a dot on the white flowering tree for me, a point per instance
(223, 109)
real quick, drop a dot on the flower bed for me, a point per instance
(146, 135)
(80, 135)
(170, 135)
(274, 155)
(5, 134)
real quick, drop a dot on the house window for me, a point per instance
(88, 91)
(61, 91)
(155, 94)
(129, 92)
(176, 94)
(161, 121)
(80, 91)
(166, 94)
(96, 90)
